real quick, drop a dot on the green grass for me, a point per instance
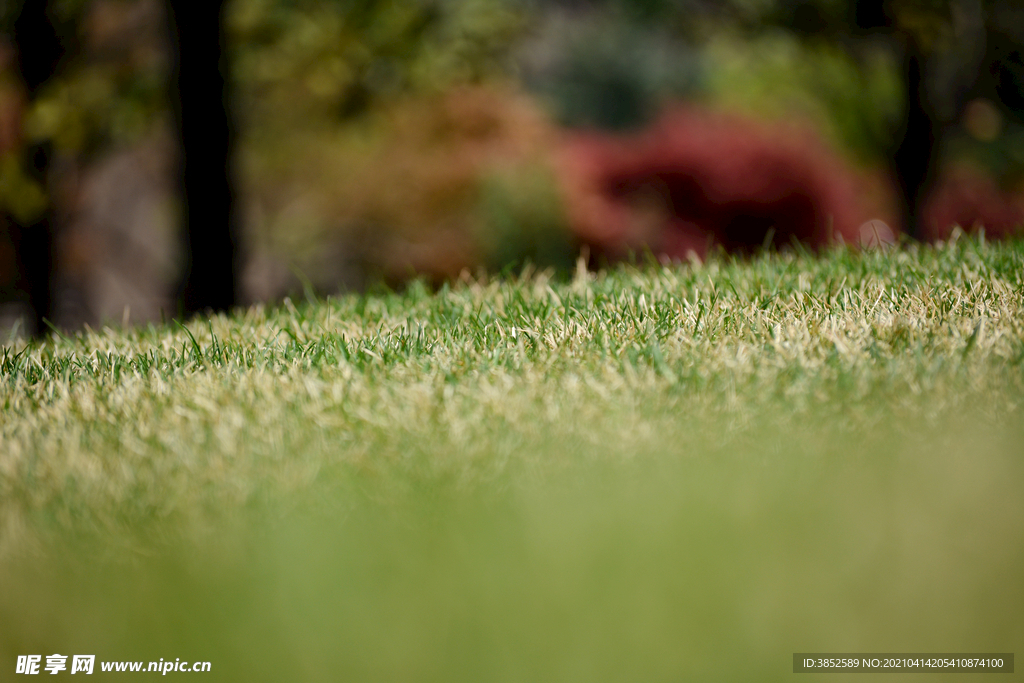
(654, 473)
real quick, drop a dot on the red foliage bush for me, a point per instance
(971, 200)
(696, 179)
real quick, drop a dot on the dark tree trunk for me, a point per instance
(40, 48)
(33, 264)
(915, 154)
(199, 97)
(40, 51)
(199, 94)
(914, 159)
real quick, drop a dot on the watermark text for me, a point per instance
(31, 665)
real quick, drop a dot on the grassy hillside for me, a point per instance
(655, 473)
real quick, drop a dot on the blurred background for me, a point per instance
(377, 141)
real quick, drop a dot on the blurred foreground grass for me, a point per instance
(657, 473)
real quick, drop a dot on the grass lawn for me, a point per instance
(650, 474)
